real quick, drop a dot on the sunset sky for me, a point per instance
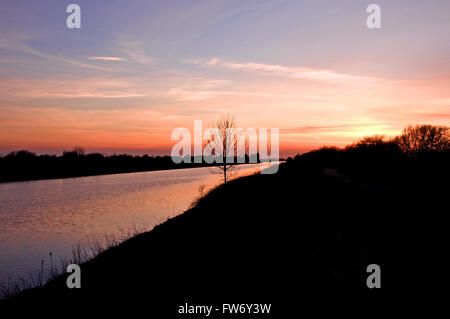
(137, 69)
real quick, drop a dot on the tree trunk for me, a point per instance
(224, 166)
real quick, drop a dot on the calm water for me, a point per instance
(39, 217)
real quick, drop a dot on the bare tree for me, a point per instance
(77, 151)
(424, 138)
(223, 144)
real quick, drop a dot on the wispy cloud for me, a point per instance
(134, 49)
(296, 72)
(318, 128)
(181, 94)
(176, 89)
(17, 42)
(105, 58)
(356, 128)
(344, 127)
(75, 88)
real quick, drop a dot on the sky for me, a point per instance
(138, 69)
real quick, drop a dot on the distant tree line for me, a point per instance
(419, 151)
(24, 165)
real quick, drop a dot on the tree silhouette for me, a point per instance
(77, 151)
(223, 144)
(374, 144)
(424, 138)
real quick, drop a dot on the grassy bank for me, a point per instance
(276, 239)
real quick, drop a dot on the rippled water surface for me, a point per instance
(39, 217)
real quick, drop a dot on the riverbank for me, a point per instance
(26, 166)
(266, 239)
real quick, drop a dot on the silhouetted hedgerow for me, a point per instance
(420, 151)
(24, 165)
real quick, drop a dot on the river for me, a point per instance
(52, 216)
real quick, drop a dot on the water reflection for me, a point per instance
(39, 217)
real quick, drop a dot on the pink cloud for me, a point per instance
(299, 72)
(105, 58)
